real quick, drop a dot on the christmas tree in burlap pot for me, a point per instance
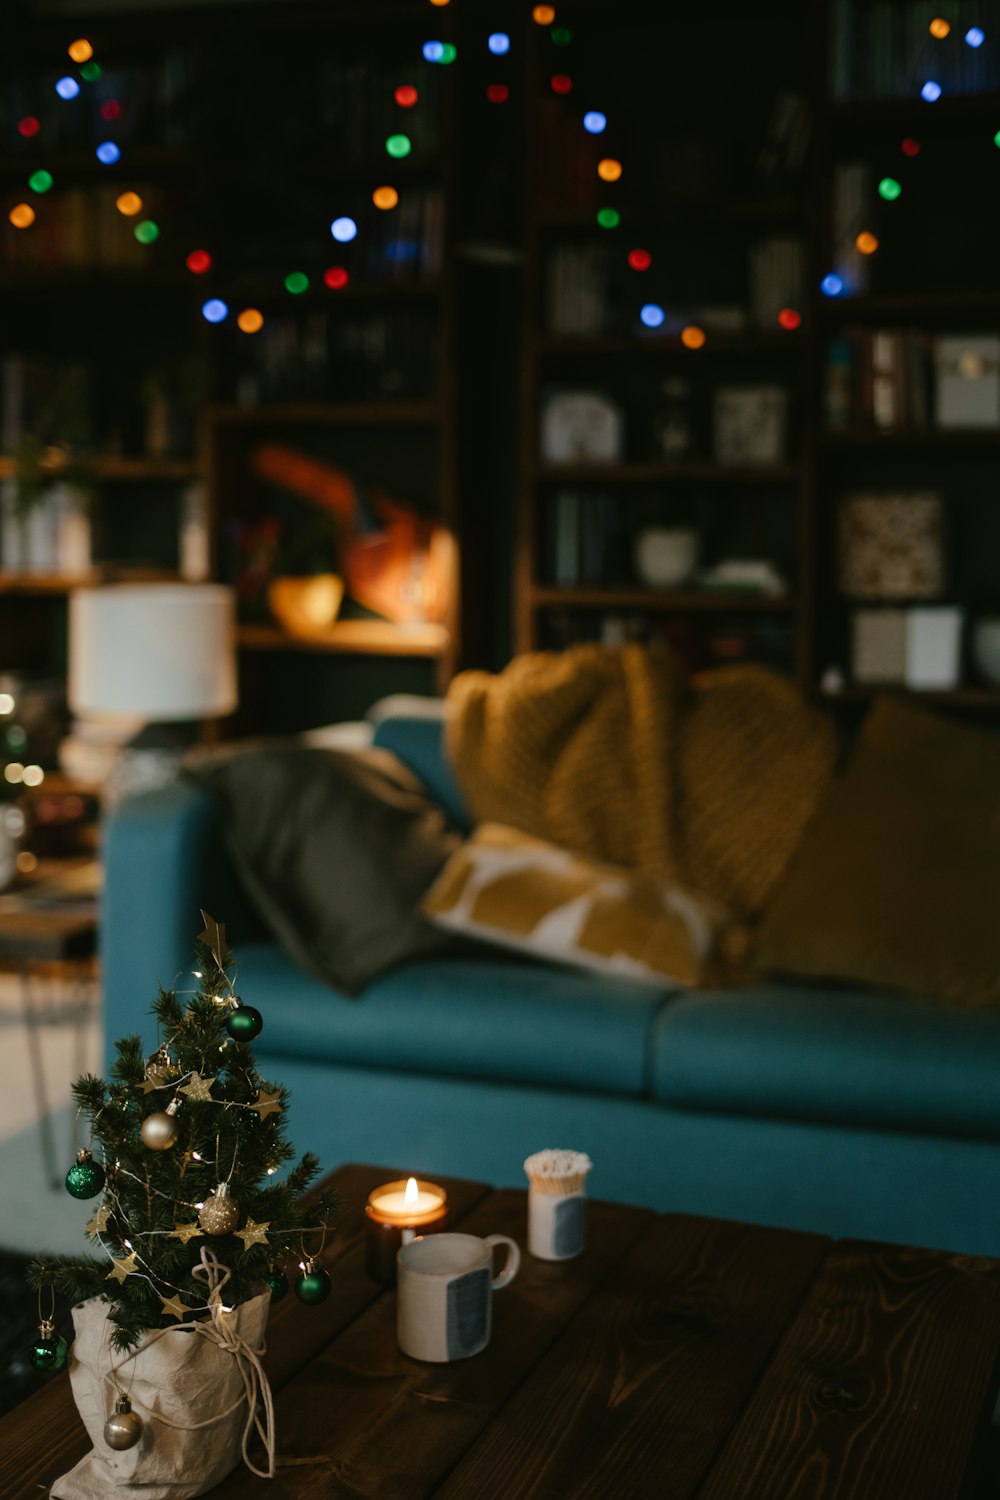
(196, 1236)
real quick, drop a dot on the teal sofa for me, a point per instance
(827, 1109)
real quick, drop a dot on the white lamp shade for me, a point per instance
(163, 652)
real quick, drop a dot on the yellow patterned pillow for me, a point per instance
(508, 888)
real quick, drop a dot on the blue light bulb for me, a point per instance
(975, 36)
(930, 91)
(498, 43)
(433, 51)
(594, 121)
(652, 315)
(67, 88)
(214, 310)
(831, 285)
(108, 153)
(343, 229)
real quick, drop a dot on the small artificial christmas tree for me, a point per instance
(190, 1138)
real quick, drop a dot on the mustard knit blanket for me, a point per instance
(614, 754)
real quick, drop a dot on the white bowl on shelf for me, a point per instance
(665, 556)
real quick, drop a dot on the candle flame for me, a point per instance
(412, 1194)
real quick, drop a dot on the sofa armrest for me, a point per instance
(165, 861)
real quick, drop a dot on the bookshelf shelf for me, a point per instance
(695, 470)
(330, 414)
(890, 306)
(686, 601)
(352, 638)
(914, 437)
(113, 469)
(669, 345)
(65, 583)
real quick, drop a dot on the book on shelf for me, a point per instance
(587, 542)
(776, 278)
(881, 378)
(577, 287)
(851, 213)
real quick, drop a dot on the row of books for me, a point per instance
(894, 378)
(365, 356)
(81, 227)
(698, 643)
(882, 49)
(776, 278)
(158, 102)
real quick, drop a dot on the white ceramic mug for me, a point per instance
(444, 1294)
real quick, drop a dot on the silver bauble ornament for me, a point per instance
(159, 1131)
(123, 1429)
(221, 1213)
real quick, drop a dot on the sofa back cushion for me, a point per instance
(418, 741)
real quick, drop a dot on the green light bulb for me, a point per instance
(889, 189)
(561, 35)
(398, 145)
(449, 52)
(91, 71)
(40, 182)
(296, 282)
(608, 218)
(146, 232)
(996, 139)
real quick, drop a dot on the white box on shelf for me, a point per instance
(933, 647)
(878, 646)
(751, 424)
(967, 367)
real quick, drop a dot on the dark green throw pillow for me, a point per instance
(335, 849)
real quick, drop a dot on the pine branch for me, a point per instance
(128, 1066)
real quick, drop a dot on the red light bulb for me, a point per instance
(789, 318)
(910, 146)
(198, 262)
(561, 83)
(497, 93)
(28, 127)
(405, 96)
(110, 109)
(335, 278)
(640, 260)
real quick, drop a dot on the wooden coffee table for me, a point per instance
(679, 1357)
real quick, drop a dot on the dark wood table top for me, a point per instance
(678, 1357)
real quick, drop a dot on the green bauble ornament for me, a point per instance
(278, 1282)
(244, 1023)
(48, 1352)
(85, 1178)
(313, 1286)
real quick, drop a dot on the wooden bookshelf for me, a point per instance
(352, 638)
(661, 601)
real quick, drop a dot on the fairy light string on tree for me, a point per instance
(211, 1183)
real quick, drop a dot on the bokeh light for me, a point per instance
(198, 262)
(561, 83)
(343, 229)
(433, 51)
(889, 189)
(594, 122)
(28, 126)
(561, 36)
(910, 146)
(67, 88)
(640, 260)
(449, 52)
(831, 285)
(652, 315)
(128, 204)
(107, 153)
(385, 197)
(109, 110)
(296, 282)
(40, 181)
(693, 337)
(790, 319)
(498, 43)
(91, 72)
(867, 242)
(250, 320)
(147, 232)
(975, 36)
(398, 146)
(608, 218)
(931, 91)
(543, 15)
(939, 28)
(406, 96)
(214, 310)
(336, 278)
(609, 170)
(22, 216)
(80, 50)
(497, 93)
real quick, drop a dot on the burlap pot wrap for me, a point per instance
(195, 1387)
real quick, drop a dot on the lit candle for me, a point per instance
(395, 1212)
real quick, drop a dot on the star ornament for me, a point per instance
(253, 1234)
(214, 937)
(267, 1104)
(122, 1268)
(197, 1088)
(99, 1223)
(175, 1307)
(184, 1232)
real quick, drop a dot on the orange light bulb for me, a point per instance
(693, 337)
(385, 197)
(128, 204)
(80, 51)
(939, 28)
(609, 170)
(867, 242)
(250, 320)
(543, 15)
(22, 215)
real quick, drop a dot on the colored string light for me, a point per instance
(398, 146)
(28, 127)
(939, 28)
(889, 189)
(128, 204)
(693, 337)
(561, 83)
(22, 216)
(433, 51)
(561, 36)
(405, 96)
(652, 315)
(594, 122)
(498, 43)
(608, 218)
(147, 232)
(198, 262)
(250, 320)
(449, 52)
(40, 182)
(609, 170)
(108, 153)
(867, 242)
(910, 146)
(335, 278)
(996, 139)
(789, 318)
(931, 91)
(440, 2)
(497, 93)
(343, 229)
(639, 260)
(80, 51)
(67, 88)
(91, 72)
(214, 310)
(385, 197)
(831, 285)
(543, 15)
(110, 109)
(975, 36)
(296, 282)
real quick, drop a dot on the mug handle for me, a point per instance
(512, 1262)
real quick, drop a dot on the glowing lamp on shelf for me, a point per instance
(343, 229)
(198, 262)
(909, 146)
(498, 43)
(930, 92)
(22, 216)
(497, 93)
(296, 282)
(80, 51)
(107, 153)
(67, 88)
(406, 96)
(831, 285)
(652, 315)
(639, 260)
(250, 320)
(889, 189)
(396, 1213)
(147, 232)
(214, 310)
(594, 122)
(790, 319)
(975, 36)
(398, 146)
(385, 198)
(28, 126)
(40, 182)
(433, 51)
(110, 109)
(866, 242)
(693, 337)
(608, 218)
(561, 83)
(335, 278)
(609, 169)
(939, 28)
(543, 15)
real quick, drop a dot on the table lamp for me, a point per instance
(163, 653)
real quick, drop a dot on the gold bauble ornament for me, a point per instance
(123, 1429)
(221, 1213)
(159, 1131)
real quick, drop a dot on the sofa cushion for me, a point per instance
(480, 1018)
(418, 740)
(895, 880)
(847, 1056)
(509, 888)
